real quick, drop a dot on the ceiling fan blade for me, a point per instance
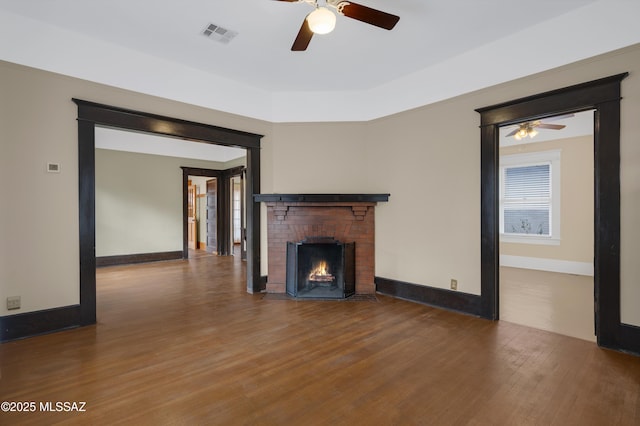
(368, 15)
(303, 38)
(550, 126)
(513, 133)
(290, 1)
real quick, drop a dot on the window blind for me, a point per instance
(527, 199)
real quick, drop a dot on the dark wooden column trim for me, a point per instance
(489, 223)
(224, 215)
(87, 220)
(607, 223)
(255, 284)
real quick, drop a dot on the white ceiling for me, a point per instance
(439, 49)
(122, 140)
(580, 124)
(354, 56)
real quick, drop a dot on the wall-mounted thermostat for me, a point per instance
(53, 167)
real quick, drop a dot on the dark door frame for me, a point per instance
(243, 215)
(90, 115)
(227, 193)
(604, 97)
(236, 172)
(223, 223)
(194, 171)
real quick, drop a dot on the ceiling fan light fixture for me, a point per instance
(525, 130)
(321, 21)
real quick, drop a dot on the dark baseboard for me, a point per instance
(29, 324)
(629, 339)
(438, 297)
(125, 259)
(263, 282)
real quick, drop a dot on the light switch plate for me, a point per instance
(13, 302)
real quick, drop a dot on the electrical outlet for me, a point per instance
(454, 284)
(13, 302)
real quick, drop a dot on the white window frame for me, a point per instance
(551, 157)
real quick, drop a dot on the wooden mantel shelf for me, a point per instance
(320, 198)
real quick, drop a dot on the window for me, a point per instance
(530, 198)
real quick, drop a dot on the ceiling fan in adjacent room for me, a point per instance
(322, 20)
(529, 128)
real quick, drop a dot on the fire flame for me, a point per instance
(320, 269)
(320, 273)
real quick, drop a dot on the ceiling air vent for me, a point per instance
(218, 33)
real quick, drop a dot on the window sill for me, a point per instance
(529, 239)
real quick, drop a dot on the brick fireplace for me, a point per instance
(348, 218)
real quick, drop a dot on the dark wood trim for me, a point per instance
(607, 223)
(574, 98)
(225, 245)
(243, 217)
(91, 114)
(87, 220)
(162, 125)
(124, 259)
(630, 338)
(321, 198)
(263, 282)
(603, 96)
(195, 171)
(29, 324)
(234, 171)
(253, 221)
(489, 223)
(439, 297)
(225, 242)
(224, 216)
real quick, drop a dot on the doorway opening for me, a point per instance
(603, 96)
(546, 224)
(201, 215)
(210, 210)
(139, 217)
(92, 114)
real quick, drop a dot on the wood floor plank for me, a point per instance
(181, 342)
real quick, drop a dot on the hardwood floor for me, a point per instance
(180, 342)
(562, 303)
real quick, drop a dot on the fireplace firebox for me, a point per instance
(321, 268)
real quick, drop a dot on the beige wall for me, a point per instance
(576, 191)
(139, 202)
(39, 242)
(318, 157)
(427, 158)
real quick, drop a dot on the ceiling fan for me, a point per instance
(528, 128)
(322, 20)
